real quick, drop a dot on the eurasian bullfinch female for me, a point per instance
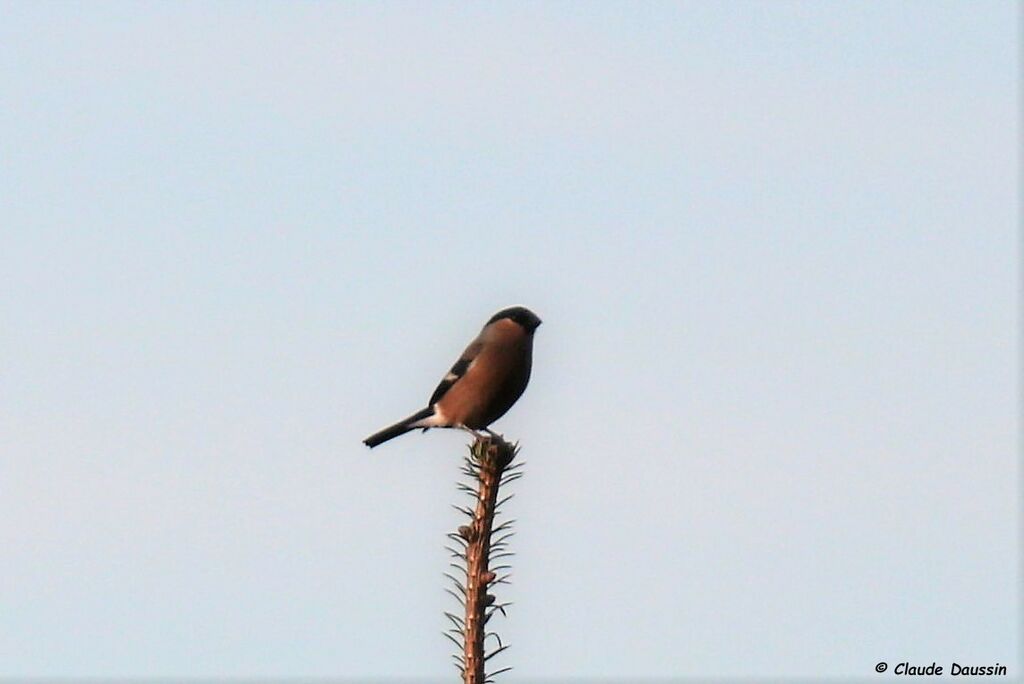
(483, 384)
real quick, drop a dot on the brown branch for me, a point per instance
(488, 463)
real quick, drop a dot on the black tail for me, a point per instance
(399, 428)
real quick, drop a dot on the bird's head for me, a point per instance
(520, 315)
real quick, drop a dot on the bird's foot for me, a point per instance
(472, 432)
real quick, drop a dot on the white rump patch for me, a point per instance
(436, 420)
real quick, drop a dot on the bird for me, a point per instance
(484, 383)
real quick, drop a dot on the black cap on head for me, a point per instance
(519, 314)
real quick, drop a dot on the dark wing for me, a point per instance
(457, 371)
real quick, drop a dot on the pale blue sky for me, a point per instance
(771, 429)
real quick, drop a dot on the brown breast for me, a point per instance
(494, 381)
